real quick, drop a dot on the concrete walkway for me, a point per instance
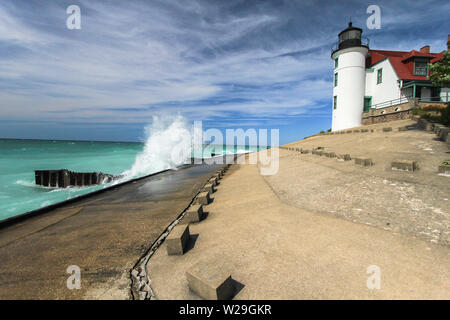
(104, 235)
(279, 251)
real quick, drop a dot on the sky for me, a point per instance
(231, 64)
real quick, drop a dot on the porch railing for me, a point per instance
(391, 103)
(402, 100)
(435, 99)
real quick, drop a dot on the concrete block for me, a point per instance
(444, 168)
(209, 187)
(364, 130)
(356, 131)
(210, 281)
(319, 152)
(422, 123)
(443, 133)
(213, 181)
(203, 198)
(387, 129)
(193, 214)
(349, 131)
(304, 151)
(429, 127)
(177, 239)
(437, 127)
(365, 162)
(331, 154)
(404, 165)
(402, 128)
(345, 157)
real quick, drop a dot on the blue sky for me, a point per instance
(232, 64)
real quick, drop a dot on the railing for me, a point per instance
(391, 103)
(435, 99)
(402, 100)
(364, 42)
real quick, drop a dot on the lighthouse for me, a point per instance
(349, 56)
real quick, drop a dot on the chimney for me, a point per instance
(425, 49)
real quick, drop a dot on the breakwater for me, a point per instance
(64, 178)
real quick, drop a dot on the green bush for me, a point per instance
(445, 115)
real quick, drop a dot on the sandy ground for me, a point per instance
(267, 232)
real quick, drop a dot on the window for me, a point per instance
(379, 76)
(336, 79)
(334, 102)
(420, 68)
(336, 62)
(367, 103)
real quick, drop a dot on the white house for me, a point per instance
(367, 80)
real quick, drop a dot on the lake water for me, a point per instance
(19, 159)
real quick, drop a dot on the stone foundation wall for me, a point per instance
(392, 113)
(386, 117)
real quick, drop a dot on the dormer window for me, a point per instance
(420, 67)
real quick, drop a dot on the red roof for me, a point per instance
(414, 54)
(401, 61)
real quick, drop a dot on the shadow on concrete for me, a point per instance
(238, 286)
(204, 215)
(191, 243)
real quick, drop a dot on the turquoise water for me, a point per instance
(19, 159)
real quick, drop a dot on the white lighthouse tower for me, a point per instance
(349, 57)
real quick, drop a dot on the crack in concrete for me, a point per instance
(140, 287)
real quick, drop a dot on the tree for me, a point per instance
(440, 71)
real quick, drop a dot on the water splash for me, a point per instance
(168, 145)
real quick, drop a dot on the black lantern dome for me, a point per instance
(350, 37)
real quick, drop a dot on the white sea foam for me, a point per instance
(168, 145)
(46, 203)
(26, 183)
